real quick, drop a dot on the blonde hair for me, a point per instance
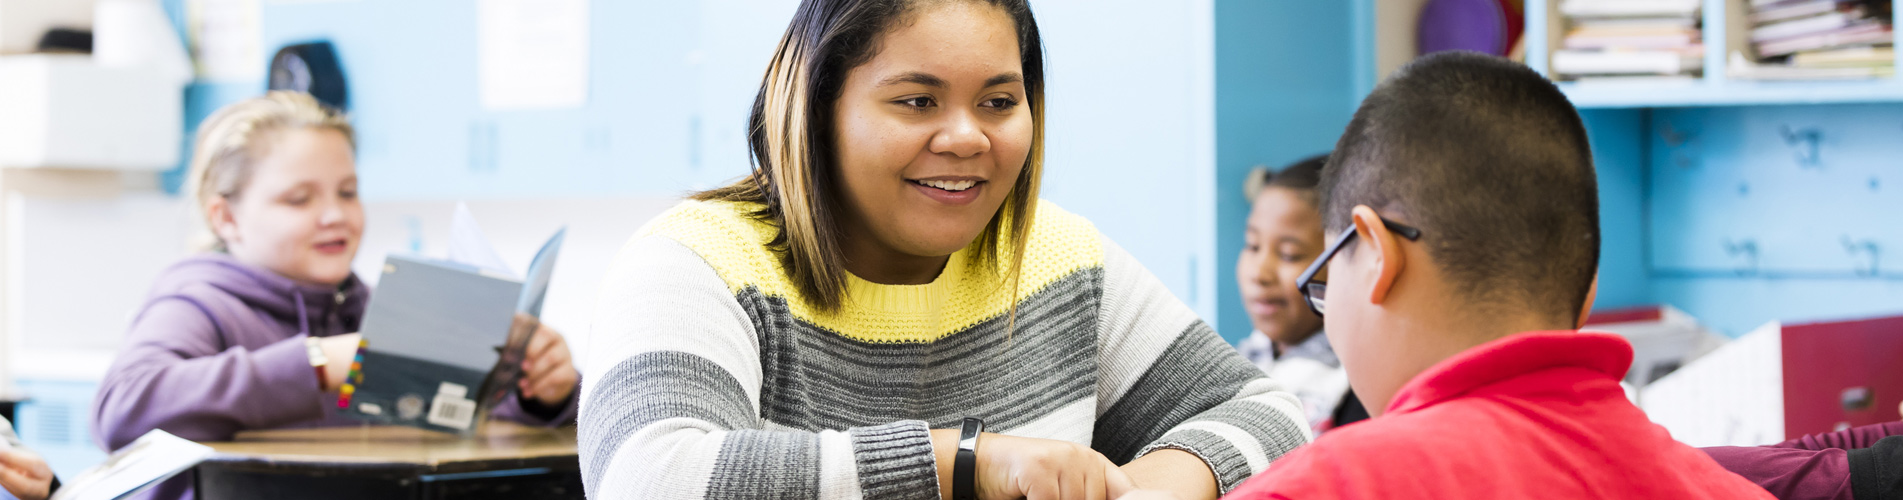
(230, 142)
(795, 168)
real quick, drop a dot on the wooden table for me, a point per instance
(504, 460)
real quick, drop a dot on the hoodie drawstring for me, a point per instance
(303, 320)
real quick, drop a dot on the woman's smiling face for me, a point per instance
(930, 135)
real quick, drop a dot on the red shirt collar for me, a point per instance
(1512, 356)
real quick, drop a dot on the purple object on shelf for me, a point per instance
(1477, 25)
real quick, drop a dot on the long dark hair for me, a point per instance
(795, 169)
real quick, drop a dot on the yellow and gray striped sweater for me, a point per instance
(707, 377)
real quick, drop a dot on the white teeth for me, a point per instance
(950, 185)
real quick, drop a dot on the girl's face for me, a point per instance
(298, 215)
(932, 133)
(1283, 237)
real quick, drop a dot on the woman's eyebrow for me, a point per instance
(933, 81)
(1004, 78)
(914, 77)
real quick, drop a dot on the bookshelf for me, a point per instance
(1724, 26)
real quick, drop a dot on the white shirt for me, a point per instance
(1310, 370)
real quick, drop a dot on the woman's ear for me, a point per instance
(218, 216)
(1592, 294)
(1388, 257)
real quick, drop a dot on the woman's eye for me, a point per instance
(917, 102)
(297, 201)
(348, 194)
(1001, 103)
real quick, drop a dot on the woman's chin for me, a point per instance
(941, 244)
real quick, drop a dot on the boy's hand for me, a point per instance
(548, 373)
(24, 474)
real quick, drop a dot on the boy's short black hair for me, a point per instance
(1491, 162)
(1302, 176)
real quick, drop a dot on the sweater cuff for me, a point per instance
(1876, 473)
(896, 461)
(287, 390)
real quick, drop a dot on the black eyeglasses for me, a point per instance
(1315, 291)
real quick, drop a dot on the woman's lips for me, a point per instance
(332, 247)
(948, 197)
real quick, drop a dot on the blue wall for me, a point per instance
(1619, 149)
(1285, 88)
(1727, 180)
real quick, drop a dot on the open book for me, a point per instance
(152, 458)
(443, 341)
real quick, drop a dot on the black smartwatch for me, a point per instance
(965, 467)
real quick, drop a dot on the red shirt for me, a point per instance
(1531, 415)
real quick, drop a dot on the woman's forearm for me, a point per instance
(1176, 471)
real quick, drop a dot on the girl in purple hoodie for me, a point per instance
(236, 338)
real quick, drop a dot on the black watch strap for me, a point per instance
(965, 466)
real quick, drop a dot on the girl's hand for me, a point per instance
(340, 350)
(1012, 467)
(24, 474)
(548, 373)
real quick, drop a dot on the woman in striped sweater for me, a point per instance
(831, 325)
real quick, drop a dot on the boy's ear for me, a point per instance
(1388, 258)
(1592, 293)
(218, 216)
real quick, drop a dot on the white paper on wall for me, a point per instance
(227, 39)
(532, 54)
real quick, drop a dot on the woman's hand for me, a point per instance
(24, 474)
(1149, 495)
(548, 373)
(1012, 467)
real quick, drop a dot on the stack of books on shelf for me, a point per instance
(1818, 40)
(1631, 40)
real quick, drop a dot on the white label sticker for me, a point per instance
(370, 409)
(451, 409)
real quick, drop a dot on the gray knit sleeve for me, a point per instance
(1167, 381)
(670, 401)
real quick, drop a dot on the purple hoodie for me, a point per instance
(219, 348)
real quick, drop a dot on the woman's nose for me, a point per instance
(961, 137)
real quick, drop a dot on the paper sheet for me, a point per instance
(532, 54)
(152, 458)
(1731, 397)
(467, 245)
(227, 39)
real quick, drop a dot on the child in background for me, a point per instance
(1466, 205)
(1283, 236)
(257, 334)
(23, 475)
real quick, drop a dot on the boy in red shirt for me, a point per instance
(1467, 219)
